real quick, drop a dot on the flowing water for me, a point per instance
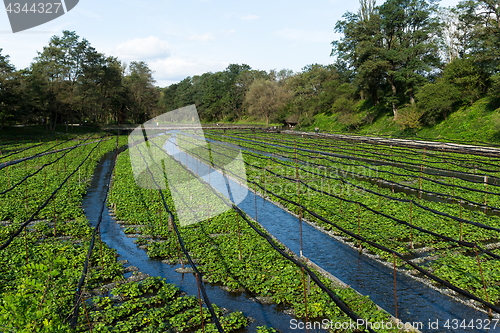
(113, 236)
(417, 303)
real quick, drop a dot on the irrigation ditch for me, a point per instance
(336, 257)
(369, 276)
(135, 257)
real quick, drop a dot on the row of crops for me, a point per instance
(44, 234)
(435, 211)
(228, 249)
(53, 264)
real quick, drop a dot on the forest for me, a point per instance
(411, 58)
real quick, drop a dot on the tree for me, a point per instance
(436, 100)
(481, 18)
(143, 98)
(409, 30)
(468, 77)
(8, 83)
(314, 90)
(60, 71)
(265, 97)
(395, 41)
(451, 34)
(360, 48)
(233, 96)
(409, 118)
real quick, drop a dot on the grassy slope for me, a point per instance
(480, 122)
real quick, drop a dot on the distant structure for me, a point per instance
(291, 121)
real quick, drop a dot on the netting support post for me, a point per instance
(199, 300)
(395, 290)
(239, 234)
(359, 233)
(460, 221)
(486, 190)
(411, 222)
(26, 248)
(482, 277)
(305, 296)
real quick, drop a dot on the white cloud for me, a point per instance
(248, 17)
(307, 36)
(176, 68)
(149, 48)
(228, 33)
(202, 38)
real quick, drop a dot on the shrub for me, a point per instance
(409, 118)
(436, 100)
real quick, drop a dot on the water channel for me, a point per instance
(114, 237)
(417, 302)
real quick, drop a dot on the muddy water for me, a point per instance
(114, 237)
(417, 302)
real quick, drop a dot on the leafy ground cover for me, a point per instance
(153, 305)
(330, 189)
(41, 267)
(215, 245)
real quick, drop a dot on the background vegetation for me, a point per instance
(402, 67)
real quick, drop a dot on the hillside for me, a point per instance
(478, 122)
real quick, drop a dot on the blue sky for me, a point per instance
(180, 38)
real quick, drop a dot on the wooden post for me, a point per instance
(395, 290)
(298, 195)
(239, 233)
(411, 222)
(26, 187)
(87, 315)
(460, 221)
(199, 300)
(453, 184)
(486, 194)
(305, 297)
(379, 197)
(359, 232)
(392, 171)
(26, 248)
(482, 277)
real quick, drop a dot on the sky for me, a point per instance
(181, 38)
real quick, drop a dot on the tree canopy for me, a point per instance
(402, 55)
